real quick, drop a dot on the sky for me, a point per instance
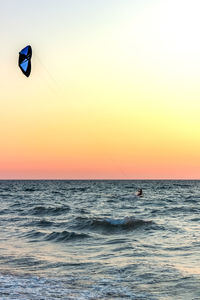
(114, 90)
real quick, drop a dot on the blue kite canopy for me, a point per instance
(25, 60)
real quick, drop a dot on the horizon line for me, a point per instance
(99, 179)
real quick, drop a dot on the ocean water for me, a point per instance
(98, 240)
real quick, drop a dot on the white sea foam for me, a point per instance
(36, 288)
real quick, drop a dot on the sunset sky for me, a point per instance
(114, 91)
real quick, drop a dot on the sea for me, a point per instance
(95, 239)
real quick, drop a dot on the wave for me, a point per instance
(4, 195)
(181, 184)
(34, 234)
(55, 236)
(109, 224)
(40, 223)
(44, 223)
(181, 210)
(65, 236)
(192, 199)
(4, 211)
(58, 193)
(78, 189)
(30, 190)
(50, 210)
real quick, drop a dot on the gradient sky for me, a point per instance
(114, 90)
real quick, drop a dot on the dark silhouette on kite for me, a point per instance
(25, 60)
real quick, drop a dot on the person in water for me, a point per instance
(140, 192)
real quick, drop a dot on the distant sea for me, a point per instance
(98, 240)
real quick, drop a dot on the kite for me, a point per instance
(25, 60)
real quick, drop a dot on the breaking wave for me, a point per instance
(109, 224)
